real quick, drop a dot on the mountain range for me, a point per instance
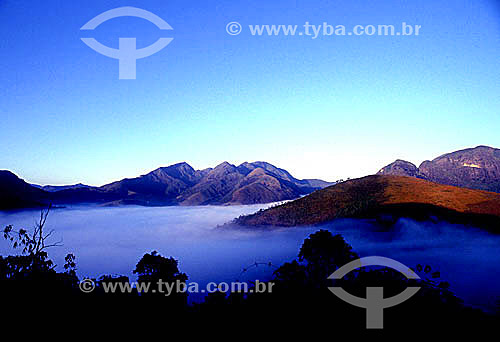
(54, 188)
(178, 184)
(474, 168)
(385, 198)
(461, 186)
(260, 182)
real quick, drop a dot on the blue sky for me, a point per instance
(331, 107)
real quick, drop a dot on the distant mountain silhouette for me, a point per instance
(474, 168)
(54, 188)
(16, 193)
(385, 198)
(178, 184)
(159, 187)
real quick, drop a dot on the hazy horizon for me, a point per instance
(202, 168)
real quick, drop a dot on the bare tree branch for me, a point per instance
(33, 243)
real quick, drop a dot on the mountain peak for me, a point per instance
(399, 168)
(256, 172)
(181, 165)
(475, 168)
(224, 165)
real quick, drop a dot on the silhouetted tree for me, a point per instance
(324, 253)
(154, 269)
(32, 274)
(293, 274)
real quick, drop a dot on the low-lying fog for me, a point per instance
(112, 240)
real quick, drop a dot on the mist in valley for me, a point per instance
(112, 240)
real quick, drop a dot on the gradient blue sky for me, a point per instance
(330, 108)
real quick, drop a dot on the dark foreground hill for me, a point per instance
(381, 196)
(474, 168)
(178, 184)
